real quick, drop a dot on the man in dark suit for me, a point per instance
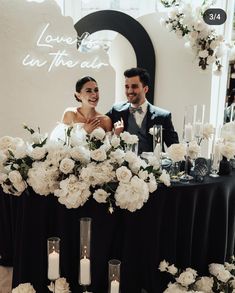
(137, 115)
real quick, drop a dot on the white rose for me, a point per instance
(80, 153)
(214, 44)
(115, 141)
(203, 53)
(99, 155)
(123, 174)
(228, 150)
(193, 35)
(66, 165)
(100, 195)
(98, 133)
(176, 152)
(172, 269)
(38, 153)
(15, 177)
(193, 149)
(61, 286)
(163, 266)
(130, 157)
(118, 155)
(24, 288)
(207, 130)
(205, 284)
(186, 278)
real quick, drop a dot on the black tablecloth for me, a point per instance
(186, 224)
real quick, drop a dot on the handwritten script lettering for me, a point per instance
(59, 57)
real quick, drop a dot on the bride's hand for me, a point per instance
(90, 125)
(118, 127)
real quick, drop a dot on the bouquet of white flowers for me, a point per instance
(221, 278)
(101, 168)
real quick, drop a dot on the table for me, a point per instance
(186, 224)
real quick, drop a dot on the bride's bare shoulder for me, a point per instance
(106, 122)
(69, 115)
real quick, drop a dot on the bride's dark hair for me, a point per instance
(80, 83)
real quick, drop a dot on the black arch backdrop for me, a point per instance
(131, 29)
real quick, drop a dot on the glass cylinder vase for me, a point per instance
(114, 276)
(85, 239)
(53, 253)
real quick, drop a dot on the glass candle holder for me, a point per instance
(53, 253)
(157, 142)
(85, 239)
(215, 159)
(114, 276)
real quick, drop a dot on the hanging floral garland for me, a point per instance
(187, 22)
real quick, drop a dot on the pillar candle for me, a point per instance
(53, 266)
(114, 287)
(188, 132)
(85, 278)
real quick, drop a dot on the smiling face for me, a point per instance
(135, 90)
(89, 94)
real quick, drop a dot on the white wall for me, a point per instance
(38, 97)
(178, 80)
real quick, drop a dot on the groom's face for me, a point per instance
(135, 90)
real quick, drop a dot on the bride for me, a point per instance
(85, 118)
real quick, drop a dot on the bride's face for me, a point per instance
(89, 94)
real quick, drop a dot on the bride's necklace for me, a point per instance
(86, 118)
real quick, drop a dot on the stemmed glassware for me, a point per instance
(53, 253)
(215, 159)
(85, 239)
(187, 138)
(157, 143)
(198, 120)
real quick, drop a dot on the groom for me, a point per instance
(137, 115)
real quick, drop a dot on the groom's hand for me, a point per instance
(90, 125)
(118, 127)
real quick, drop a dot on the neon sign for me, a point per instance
(60, 57)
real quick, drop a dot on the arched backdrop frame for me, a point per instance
(132, 30)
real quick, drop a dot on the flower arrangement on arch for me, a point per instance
(100, 168)
(221, 278)
(188, 23)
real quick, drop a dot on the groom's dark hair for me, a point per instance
(141, 72)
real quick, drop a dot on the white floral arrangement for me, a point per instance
(24, 288)
(221, 278)
(187, 22)
(101, 168)
(59, 286)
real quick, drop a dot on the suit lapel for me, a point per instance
(125, 114)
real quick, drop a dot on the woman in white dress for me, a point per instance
(84, 117)
(87, 92)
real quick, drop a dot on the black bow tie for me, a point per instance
(134, 110)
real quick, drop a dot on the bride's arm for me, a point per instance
(68, 117)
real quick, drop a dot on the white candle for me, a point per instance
(85, 278)
(203, 113)
(188, 132)
(53, 266)
(114, 287)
